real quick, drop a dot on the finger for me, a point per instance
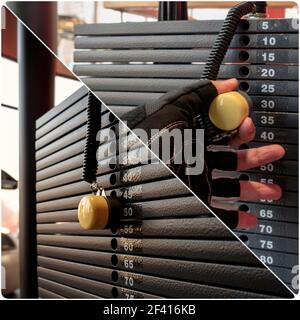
(222, 160)
(245, 133)
(229, 217)
(236, 219)
(252, 190)
(223, 86)
(244, 190)
(255, 157)
(225, 188)
(246, 220)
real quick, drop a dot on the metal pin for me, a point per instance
(101, 192)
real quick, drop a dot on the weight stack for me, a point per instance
(166, 245)
(132, 63)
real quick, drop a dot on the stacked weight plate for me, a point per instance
(129, 64)
(166, 244)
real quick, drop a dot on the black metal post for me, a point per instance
(261, 9)
(36, 95)
(172, 10)
(162, 11)
(39, 17)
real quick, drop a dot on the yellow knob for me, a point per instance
(93, 212)
(228, 110)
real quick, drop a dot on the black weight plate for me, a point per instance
(274, 228)
(281, 40)
(263, 242)
(288, 56)
(187, 249)
(271, 212)
(291, 150)
(275, 119)
(282, 167)
(277, 259)
(96, 72)
(272, 56)
(160, 85)
(266, 41)
(269, 87)
(271, 135)
(275, 104)
(185, 27)
(289, 199)
(286, 182)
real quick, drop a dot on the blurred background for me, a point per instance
(64, 85)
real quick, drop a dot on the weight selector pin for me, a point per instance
(228, 110)
(98, 211)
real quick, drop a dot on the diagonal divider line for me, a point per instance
(209, 209)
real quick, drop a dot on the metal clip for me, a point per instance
(98, 190)
(101, 192)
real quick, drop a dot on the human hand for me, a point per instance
(251, 158)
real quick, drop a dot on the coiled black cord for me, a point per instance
(224, 38)
(90, 164)
(215, 60)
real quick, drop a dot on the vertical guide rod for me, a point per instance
(172, 10)
(36, 96)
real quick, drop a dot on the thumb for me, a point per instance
(223, 86)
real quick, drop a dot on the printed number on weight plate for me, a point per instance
(128, 246)
(266, 259)
(266, 214)
(128, 264)
(267, 120)
(265, 229)
(132, 191)
(266, 201)
(129, 281)
(267, 88)
(267, 167)
(127, 194)
(267, 135)
(267, 104)
(267, 180)
(266, 244)
(128, 212)
(265, 25)
(267, 73)
(128, 229)
(268, 56)
(133, 175)
(269, 41)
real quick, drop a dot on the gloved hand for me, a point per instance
(177, 109)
